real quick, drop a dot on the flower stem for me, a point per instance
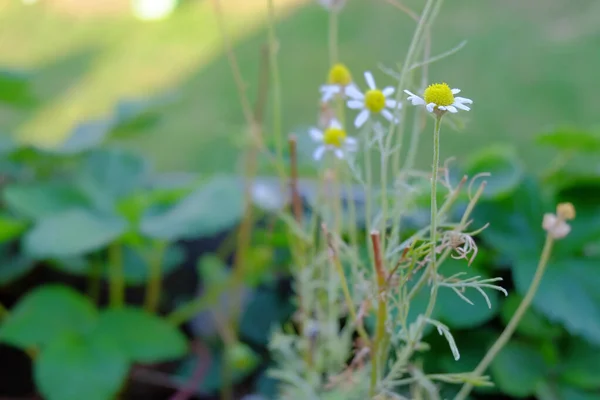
(377, 356)
(514, 321)
(434, 182)
(117, 280)
(274, 66)
(153, 288)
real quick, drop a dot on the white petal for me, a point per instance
(443, 108)
(328, 92)
(389, 103)
(351, 144)
(316, 134)
(335, 124)
(461, 106)
(339, 153)
(430, 107)
(388, 91)
(452, 109)
(361, 118)
(414, 99)
(370, 80)
(356, 104)
(455, 91)
(549, 221)
(463, 100)
(388, 115)
(352, 91)
(318, 154)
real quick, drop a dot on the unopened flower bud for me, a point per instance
(565, 211)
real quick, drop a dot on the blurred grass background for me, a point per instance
(528, 65)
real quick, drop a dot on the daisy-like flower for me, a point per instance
(338, 80)
(333, 138)
(373, 101)
(439, 97)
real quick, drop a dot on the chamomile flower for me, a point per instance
(338, 80)
(373, 101)
(333, 138)
(438, 97)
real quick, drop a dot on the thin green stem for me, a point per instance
(380, 337)
(116, 278)
(514, 321)
(154, 285)
(434, 184)
(275, 76)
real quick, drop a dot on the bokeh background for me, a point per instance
(91, 74)
(529, 66)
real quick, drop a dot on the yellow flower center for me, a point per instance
(374, 100)
(339, 74)
(439, 94)
(334, 137)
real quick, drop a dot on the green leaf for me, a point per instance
(46, 314)
(75, 368)
(456, 312)
(10, 227)
(111, 174)
(72, 233)
(42, 199)
(135, 264)
(585, 228)
(518, 369)
(568, 293)
(264, 311)
(241, 357)
(212, 270)
(141, 336)
(503, 165)
(532, 324)
(213, 208)
(569, 139)
(85, 136)
(515, 222)
(580, 368)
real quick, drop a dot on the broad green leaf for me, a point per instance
(532, 324)
(141, 336)
(72, 233)
(10, 227)
(518, 369)
(566, 139)
(110, 174)
(74, 368)
(568, 293)
(515, 228)
(570, 393)
(503, 165)
(585, 228)
(213, 208)
(456, 312)
(264, 311)
(46, 314)
(42, 199)
(85, 136)
(580, 368)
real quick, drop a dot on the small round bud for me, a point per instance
(565, 211)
